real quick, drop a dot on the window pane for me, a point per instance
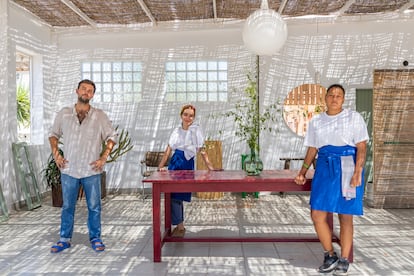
(202, 97)
(223, 76)
(117, 66)
(191, 66)
(189, 81)
(170, 66)
(171, 87)
(201, 65)
(202, 76)
(192, 86)
(96, 77)
(118, 98)
(107, 87)
(107, 77)
(118, 78)
(212, 65)
(222, 86)
(212, 87)
(137, 67)
(191, 76)
(181, 97)
(180, 66)
(191, 97)
(181, 87)
(127, 77)
(117, 88)
(96, 66)
(107, 98)
(222, 65)
(212, 76)
(127, 66)
(106, 66)
(127, 88)
(86, 66)
(137, 77)
(202, 86)
(181, 76)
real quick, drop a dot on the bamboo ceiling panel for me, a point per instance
(393, 139)
(74, 13)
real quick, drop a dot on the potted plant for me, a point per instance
(250, 122)
(52, 173)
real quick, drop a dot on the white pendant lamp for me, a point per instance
(265, 31)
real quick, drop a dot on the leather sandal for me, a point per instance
(178, 233)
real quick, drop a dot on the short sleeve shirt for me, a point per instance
(346, 128)
(188, 141)
(82, 142)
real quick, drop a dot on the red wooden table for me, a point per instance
(218, 181)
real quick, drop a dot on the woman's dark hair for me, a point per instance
(87, 82)
(336, 86)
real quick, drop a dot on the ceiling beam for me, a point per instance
(147, 11)
(345, 7)
(78, 12)
(282, 6)
(215, 9)
(406, 6)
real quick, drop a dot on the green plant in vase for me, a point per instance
(250, 122)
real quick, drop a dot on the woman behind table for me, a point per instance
(186, 140)
(339, 138)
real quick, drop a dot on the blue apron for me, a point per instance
(179, 162)
(326, 193)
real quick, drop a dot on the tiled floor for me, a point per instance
(384, 240)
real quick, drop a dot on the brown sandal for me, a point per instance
(178, 233)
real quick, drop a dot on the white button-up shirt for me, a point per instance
(82, 142)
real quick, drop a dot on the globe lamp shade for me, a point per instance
(264, 32)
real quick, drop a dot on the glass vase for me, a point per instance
(252, 164)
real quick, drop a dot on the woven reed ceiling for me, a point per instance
(75, 13)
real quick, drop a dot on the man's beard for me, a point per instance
(82, 100)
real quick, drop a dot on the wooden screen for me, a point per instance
(393, 137)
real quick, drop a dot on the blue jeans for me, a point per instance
(70, 189)
(177, 211)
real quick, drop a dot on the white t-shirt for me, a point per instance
(346, 128)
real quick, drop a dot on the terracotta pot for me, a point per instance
(57, 199)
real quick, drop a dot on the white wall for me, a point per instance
(345, 52)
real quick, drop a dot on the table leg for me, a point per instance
(156, 222)
(167, 214)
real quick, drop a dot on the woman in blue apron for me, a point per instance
(339, 138)
(185, 141)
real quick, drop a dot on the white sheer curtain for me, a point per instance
(337, 52)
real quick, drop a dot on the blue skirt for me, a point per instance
(179, 162)
(326, 193)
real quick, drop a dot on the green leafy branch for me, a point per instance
(123, 146)
(249, 121)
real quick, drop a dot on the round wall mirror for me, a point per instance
(301, 104)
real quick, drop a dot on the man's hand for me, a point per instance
(98, 164)
(60, 161)
(300, 179)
